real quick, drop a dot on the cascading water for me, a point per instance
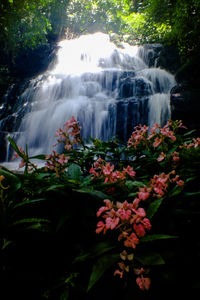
(109, 90)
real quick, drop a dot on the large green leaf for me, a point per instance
(30, 220)
(29, 202)
(153, 237)
(150, 259)
(134, 184)
(16, 148)
(97, 250)
(100, 267)
(189, 194)
(153, 207)
(94, 193)
(74, 173)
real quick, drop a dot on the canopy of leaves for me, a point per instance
(172, 21)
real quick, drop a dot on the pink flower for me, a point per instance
(140, 212)
(63, 159)
(167, 132)
(68, 147)
(107, 169)
(22, 163)
(196, 142)
(118, 175)
(111, 223)
(144, 193)
(93, 171)
(120, 273)
(129, 170)
(139, 229)
(124, 214)
(161, 157)
(180, 183)
(146, 223)
(136, 203)
(143, 283)
(100, 227)
(99, 163)
(108, 203)
(101, 210)
(131, 241)
(157, 142)
(175, 156)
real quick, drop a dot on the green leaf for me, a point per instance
(65, 295)
(153, 237)
(15, 147)
(100, 267)
(40, 156)
(153, 207)
(189, 132)
(30, 220)
(175, 191)
(74, 172)
(97, 250)
(6, 243)
(134, 184)
(55, 187)
(189, 194)
(94, 193)
(150, 259)
(28, 202)
(130, 184)
(87, 180)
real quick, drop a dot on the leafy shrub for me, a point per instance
(108, 212)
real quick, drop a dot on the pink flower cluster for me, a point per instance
(104, 170)
(70, 135)
(31, 166)
(56, 162)
(138, 136)
(143, 134)
(130, 219)
(143, 282)
(158, 185)
(194, 144)
(127, 217)
(131, 222)
(16, 155)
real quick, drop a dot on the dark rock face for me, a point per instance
(150, 53)
(130, 87)
(185, 106)
(169, 59)
(136, 110)
(3, 143)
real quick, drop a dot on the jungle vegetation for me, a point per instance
(26, 26)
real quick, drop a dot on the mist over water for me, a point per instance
(109, 90)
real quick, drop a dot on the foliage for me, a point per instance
(91, 16)
(147, 21)
(138, 196)
(24, 26)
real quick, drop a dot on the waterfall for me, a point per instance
(109, 90)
